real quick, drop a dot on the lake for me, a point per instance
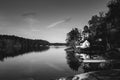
(39, 65)
(50, 63)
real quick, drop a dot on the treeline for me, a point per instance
(10, 43)
(102, 29)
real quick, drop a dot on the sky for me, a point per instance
(49, 20)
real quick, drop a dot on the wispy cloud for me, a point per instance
(30, 19)
(29, 14)
(59, 22)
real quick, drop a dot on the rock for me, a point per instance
(97, 75)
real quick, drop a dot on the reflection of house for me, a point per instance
(94, 61)
(91, 59)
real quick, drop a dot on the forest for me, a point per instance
(102, 31)
(10, 43)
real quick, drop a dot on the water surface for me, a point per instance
(45, 65)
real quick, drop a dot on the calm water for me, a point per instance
(45, 65)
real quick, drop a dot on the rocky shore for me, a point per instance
(96, 75)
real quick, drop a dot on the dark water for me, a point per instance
(93, 62)
(46, 65)
(94, 65)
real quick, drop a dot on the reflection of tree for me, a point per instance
(76, 61)
(72, 61)
(113, 54)
(15, 52)
(11, 46)
(96, 66)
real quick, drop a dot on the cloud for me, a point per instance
(29, 14)
(30, 19)
(59, 22)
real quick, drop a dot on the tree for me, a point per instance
(113, 21)
(73, 36)
(85, 33)
(106, 26)
(96, 24)
(97, 27)
(113, 15)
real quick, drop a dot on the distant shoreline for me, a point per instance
(58, 44)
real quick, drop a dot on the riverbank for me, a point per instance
(96, 75)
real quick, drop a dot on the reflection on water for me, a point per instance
(45, 63)
(72, 60)
(92, 62)
(15, 52)
(35, 65)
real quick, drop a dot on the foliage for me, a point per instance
(103, 29)
(113, 15)
(106, 26)
(73, 36)
(113, 21)
(9, 43)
